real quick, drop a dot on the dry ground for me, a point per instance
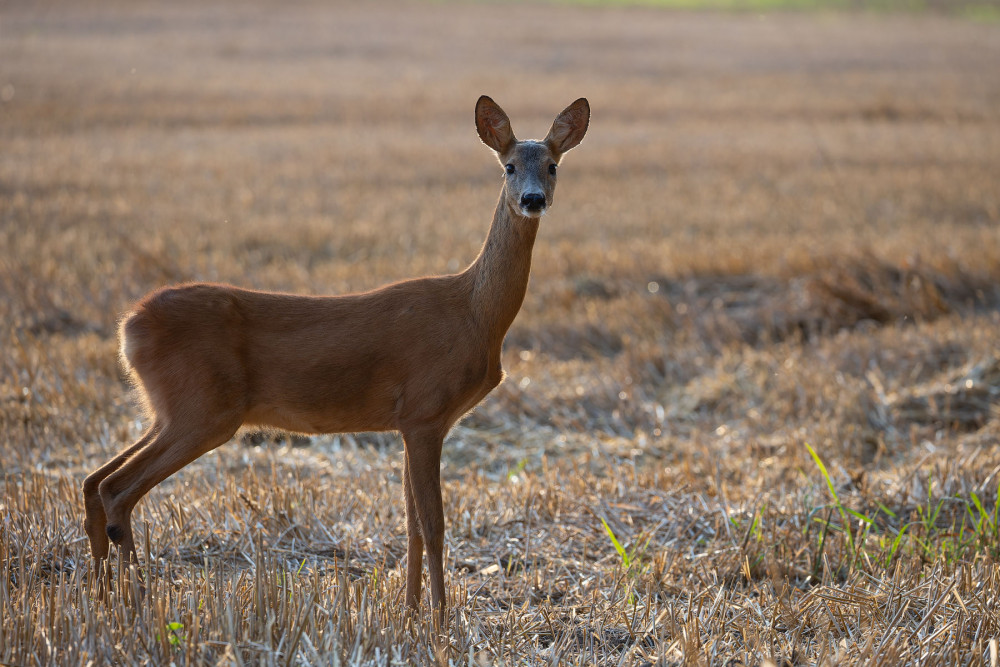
(781, 231)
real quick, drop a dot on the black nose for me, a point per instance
(533, 201)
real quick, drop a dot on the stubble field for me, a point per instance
(751, 411)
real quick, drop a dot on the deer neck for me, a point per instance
(500, 272)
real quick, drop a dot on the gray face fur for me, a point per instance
(530, 166)
(530, 178)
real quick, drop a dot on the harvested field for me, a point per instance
(753, 398)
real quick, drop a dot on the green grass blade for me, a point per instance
(826, 475)
(626, 561)
(861, 517)
(985, 516)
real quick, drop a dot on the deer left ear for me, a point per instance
(569, 127)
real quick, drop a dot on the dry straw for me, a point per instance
(781, 232)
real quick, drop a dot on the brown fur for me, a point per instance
(411, 357)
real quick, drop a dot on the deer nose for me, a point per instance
(533, 201)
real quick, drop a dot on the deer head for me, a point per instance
(530, 166)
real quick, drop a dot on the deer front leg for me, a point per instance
(415, 543)
(423, 463)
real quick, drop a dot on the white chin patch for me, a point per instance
(528, 213)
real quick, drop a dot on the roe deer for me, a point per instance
(413, 357)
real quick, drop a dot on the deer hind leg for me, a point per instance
(96, 521)
(171, 448)
(423, 464)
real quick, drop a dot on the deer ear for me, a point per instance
(493, 125)
(569, 127)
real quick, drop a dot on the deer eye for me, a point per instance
(552, 169)
(509, 168)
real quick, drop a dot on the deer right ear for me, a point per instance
(493, 126)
